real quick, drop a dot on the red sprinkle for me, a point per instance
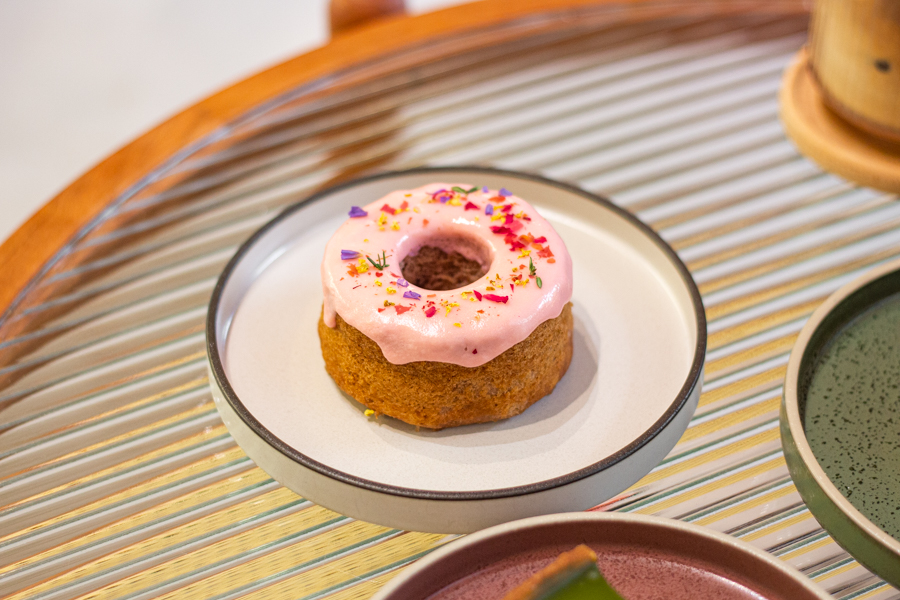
(401, 309)
(424, 222)
(515, 226)
(496, 298)
(378, 273)
(470, 206)
(388, 209)
(508, 219)
(394, 275)
(405, 205)
(430, 311)
(477, 295)
(507, 208)
(539, 240)
(475, 351)
(380, 310)
(515, 245)
(500, 230)
(545, 252)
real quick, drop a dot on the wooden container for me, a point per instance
(855, 57)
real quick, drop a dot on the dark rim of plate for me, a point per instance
(691, 382)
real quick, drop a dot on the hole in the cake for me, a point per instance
(446, 264)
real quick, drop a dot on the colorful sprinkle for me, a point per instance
(401, 282)
(395, 226)
(390, 290)
(470, 206)
(496, 298)
(429, 312)
(477, 295)
(457, 324)
(357, 212)
(475, 351)
(412, 295)
(505, 192)
(488, 210)
(349, 254)
(388, 209)
(484, 190)
(378, 283)
(402, 309)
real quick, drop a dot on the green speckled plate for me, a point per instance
(840, 418)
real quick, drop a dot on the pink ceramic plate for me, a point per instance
(642, 557)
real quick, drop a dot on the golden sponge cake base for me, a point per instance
(438, 395)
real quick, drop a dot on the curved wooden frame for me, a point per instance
(28, 252)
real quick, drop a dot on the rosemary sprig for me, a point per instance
(458, 189)
(382, 263)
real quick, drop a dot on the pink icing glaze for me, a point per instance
(461, 329)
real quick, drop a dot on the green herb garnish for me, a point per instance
(531, 266)
(539, 282)
(456, 188)
(382, 263)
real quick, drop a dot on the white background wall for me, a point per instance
(80, 78)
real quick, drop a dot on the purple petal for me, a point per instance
(356, 211)
(402, 282)
(488, 210)
(349, 254)
(411, 295)
(505, 192)
(484, 190)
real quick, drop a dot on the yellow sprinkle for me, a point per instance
(391, 290)
(489, 288)
(525, 252)
(395, 226)
(457, 325)
(382, 219)
(363, 266)
(366, 240)
(369, 412)
(520, 214)
(388, 303)
(454, 202)
(515, 269)
(498, 216)
(472, 299)
(522, 281)
(407, 195)
(415, 209)
(464, 294)
(378, 283)
(381, 228)
(476, 218)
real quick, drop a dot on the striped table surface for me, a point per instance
(117, 477)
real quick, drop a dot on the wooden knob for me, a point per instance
(347, 14)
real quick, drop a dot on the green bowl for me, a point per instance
(870, 544)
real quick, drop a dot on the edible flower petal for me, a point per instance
(349, 254)
(505, 192)
(496, 298)
(356, 212)
(412, 295)
(401, 282)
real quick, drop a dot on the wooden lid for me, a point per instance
(830, 141)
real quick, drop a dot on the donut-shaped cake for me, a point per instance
(446, 305)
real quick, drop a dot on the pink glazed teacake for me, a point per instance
(528, 281)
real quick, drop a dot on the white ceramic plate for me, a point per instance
(634, 381)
